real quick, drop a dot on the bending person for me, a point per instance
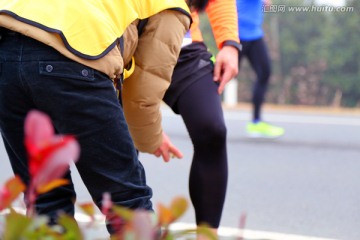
(58, 57)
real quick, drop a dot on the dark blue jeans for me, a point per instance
(80, 101)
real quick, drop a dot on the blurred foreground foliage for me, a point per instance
(49, 156)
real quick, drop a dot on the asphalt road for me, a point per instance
(305, 183)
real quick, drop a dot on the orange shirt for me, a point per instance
(223, 20)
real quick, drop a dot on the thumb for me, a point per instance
(221, 87)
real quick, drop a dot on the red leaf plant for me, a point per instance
(49, 155)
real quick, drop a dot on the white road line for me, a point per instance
(248, 234)
(330, 120)
(302, 119)
(223, 231)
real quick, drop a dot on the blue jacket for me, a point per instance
(250, 19)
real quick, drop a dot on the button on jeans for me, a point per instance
(80, 101)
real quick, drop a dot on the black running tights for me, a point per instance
(257, 54)
(200, 107)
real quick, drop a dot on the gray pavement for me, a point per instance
(304, 184)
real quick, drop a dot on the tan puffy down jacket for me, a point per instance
(156, 54)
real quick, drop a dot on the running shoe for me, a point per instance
(265, 130)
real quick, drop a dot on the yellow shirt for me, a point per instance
(88, 28)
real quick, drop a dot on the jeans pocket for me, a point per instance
(63, 69)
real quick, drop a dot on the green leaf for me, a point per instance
(16, 225)
(207, 232)
(178, 207)
(72, 230)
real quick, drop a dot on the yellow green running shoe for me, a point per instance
(263, 129)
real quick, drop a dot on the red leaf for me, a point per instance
(49, 154)
(38, 130)
(10, 191)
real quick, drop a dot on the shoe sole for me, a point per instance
(258, 135)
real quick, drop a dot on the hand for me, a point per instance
(167, 150)
(226, 66)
